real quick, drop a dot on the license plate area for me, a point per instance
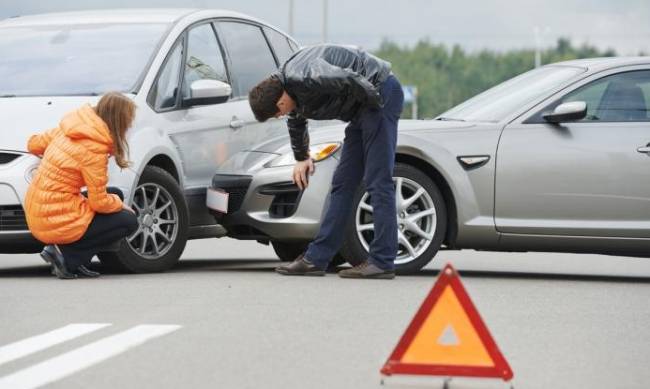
(217, 200)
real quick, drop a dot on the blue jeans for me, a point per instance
(368, 154)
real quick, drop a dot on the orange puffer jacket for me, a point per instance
(75, 154)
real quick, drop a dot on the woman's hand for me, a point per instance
(301, 171)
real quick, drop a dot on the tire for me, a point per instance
(288, 251)
(433, 226)
(161, 237)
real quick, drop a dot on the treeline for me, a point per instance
(447, 76)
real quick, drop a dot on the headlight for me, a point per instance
(29, 174)
(318, 153)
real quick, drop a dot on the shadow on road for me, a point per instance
(26, 271)
(238, 265)
(251, 265)
(536, 276)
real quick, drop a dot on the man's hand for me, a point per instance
(301, 172)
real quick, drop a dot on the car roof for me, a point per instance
(124, 15)
(603, 63)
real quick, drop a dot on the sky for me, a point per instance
(623, 25)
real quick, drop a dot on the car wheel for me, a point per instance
(163, 226)
(288, 251)
(421, 217)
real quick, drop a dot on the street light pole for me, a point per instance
(324, 36)
(538, 47)
(291, 17)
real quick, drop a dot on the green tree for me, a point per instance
(447, 76)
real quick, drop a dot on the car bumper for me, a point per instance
(264, 204)
(15, 171)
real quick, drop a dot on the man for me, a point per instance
(327, 82)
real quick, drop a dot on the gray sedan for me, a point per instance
(556, 159)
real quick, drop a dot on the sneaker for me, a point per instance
(300, 267)
(367, 270)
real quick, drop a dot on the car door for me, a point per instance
(201, 133)
(585, 178)
(250, 61)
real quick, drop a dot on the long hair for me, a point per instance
(118, 112)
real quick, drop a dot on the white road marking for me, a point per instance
(37, 343)
(71, 362)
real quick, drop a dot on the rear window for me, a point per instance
(250, 55)
(280, 45)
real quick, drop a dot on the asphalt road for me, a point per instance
(223, 319)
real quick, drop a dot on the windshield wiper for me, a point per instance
(449, 119)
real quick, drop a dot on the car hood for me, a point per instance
(22, 117)
(336, 133)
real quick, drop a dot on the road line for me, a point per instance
(71, 362)
(37, 343)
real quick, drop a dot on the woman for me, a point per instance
(75, 155)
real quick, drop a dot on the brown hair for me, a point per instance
(118, 112)
(264, 97)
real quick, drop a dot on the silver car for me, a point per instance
(189, 72)
(556, 159)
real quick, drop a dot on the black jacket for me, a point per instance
(329, 82)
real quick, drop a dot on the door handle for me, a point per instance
(236, 123)
(644, 149)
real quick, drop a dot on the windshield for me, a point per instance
(75, 59)
(496, 103)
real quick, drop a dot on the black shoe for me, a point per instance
(58, 265)
(85, 272)
(48, 253)
(300, 267)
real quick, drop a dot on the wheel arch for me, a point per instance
(403, 156)
(165, 162)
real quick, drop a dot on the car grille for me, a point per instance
(286, 198)
(7, 157)
(12, 218)
(236, 198)
(236, 187)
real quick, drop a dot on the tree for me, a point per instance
(447, 76)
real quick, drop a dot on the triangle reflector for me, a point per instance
(447, 337)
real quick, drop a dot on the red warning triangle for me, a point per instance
(447, 337)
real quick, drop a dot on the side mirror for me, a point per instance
(567, 112)
(205, 92)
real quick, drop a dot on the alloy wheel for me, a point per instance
(158, 221)
(416, 220)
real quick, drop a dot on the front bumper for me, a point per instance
(15, 169)
(264, 204)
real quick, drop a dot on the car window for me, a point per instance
(250, 56)
(204, 59)
(280, 45)
(76, 59)
(502, 100)
(621, 97)
(166, 88)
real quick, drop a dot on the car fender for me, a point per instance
(144, 144)
(472, 190)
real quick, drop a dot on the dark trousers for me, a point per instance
(104, 229)
(368, 154)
